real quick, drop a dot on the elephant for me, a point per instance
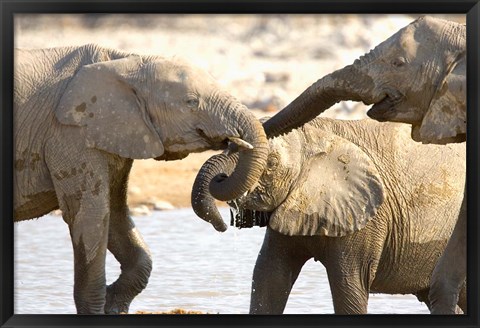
(81, 116)
(417, 76)
(373, 206)
(444, 120)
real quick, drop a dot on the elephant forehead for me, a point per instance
(287, 147)
(408, 42)
(400, 44)
(181, 71)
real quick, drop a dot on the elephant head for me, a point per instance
(315, 183)
(149, 107)
(417, 76)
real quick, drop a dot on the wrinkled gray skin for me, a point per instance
(373, 206)
(417, 76)
(81, 115)
(444, 121)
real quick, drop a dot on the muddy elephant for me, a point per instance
(442, 121)
(417, 76)
(81, 116)
(373, 206)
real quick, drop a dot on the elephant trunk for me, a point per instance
(251, 159)
(348, 83)
(203, 203)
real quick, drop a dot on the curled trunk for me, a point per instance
(251, 162)
(227, 177)
(348, 83)
(203, 203)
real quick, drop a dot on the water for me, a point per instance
(195, 268)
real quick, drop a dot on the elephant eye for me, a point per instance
(399, 61)
(272, 162)
(192, 102)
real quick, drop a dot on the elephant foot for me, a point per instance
(89, 305)
(443, 298)
(447, 305)
(85, 309)
(447, 310)
(115, 304)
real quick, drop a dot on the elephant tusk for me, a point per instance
(251, 189)
(240, 142)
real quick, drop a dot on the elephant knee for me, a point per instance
(139, 269)
(135, 278)
(144, 271)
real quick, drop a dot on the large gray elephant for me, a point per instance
(442, 121)
(373, 206)
(81, 115)
(417, 76)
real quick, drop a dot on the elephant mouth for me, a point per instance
(204, 142)
(171, 156)
(213, 143)
(384, 110)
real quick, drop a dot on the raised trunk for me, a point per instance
(203, 203)
(348, 83)
(251, 162)
(345, 84)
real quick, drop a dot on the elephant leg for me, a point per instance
(82, 186)
(422, 297)
(89, 235)
(462, 299)
(126, 244)
(451, 270)
(350, 284)
(461, 307)
(348, 295)
(276, 269)
(89, 265)
(128, 247)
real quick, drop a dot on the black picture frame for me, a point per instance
(9, 8)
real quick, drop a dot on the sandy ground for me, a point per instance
(263, 60)
(161, 184)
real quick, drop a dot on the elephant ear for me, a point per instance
(102, 98)
(338, 191)
(445, 120)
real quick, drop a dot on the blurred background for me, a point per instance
(263, 60)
